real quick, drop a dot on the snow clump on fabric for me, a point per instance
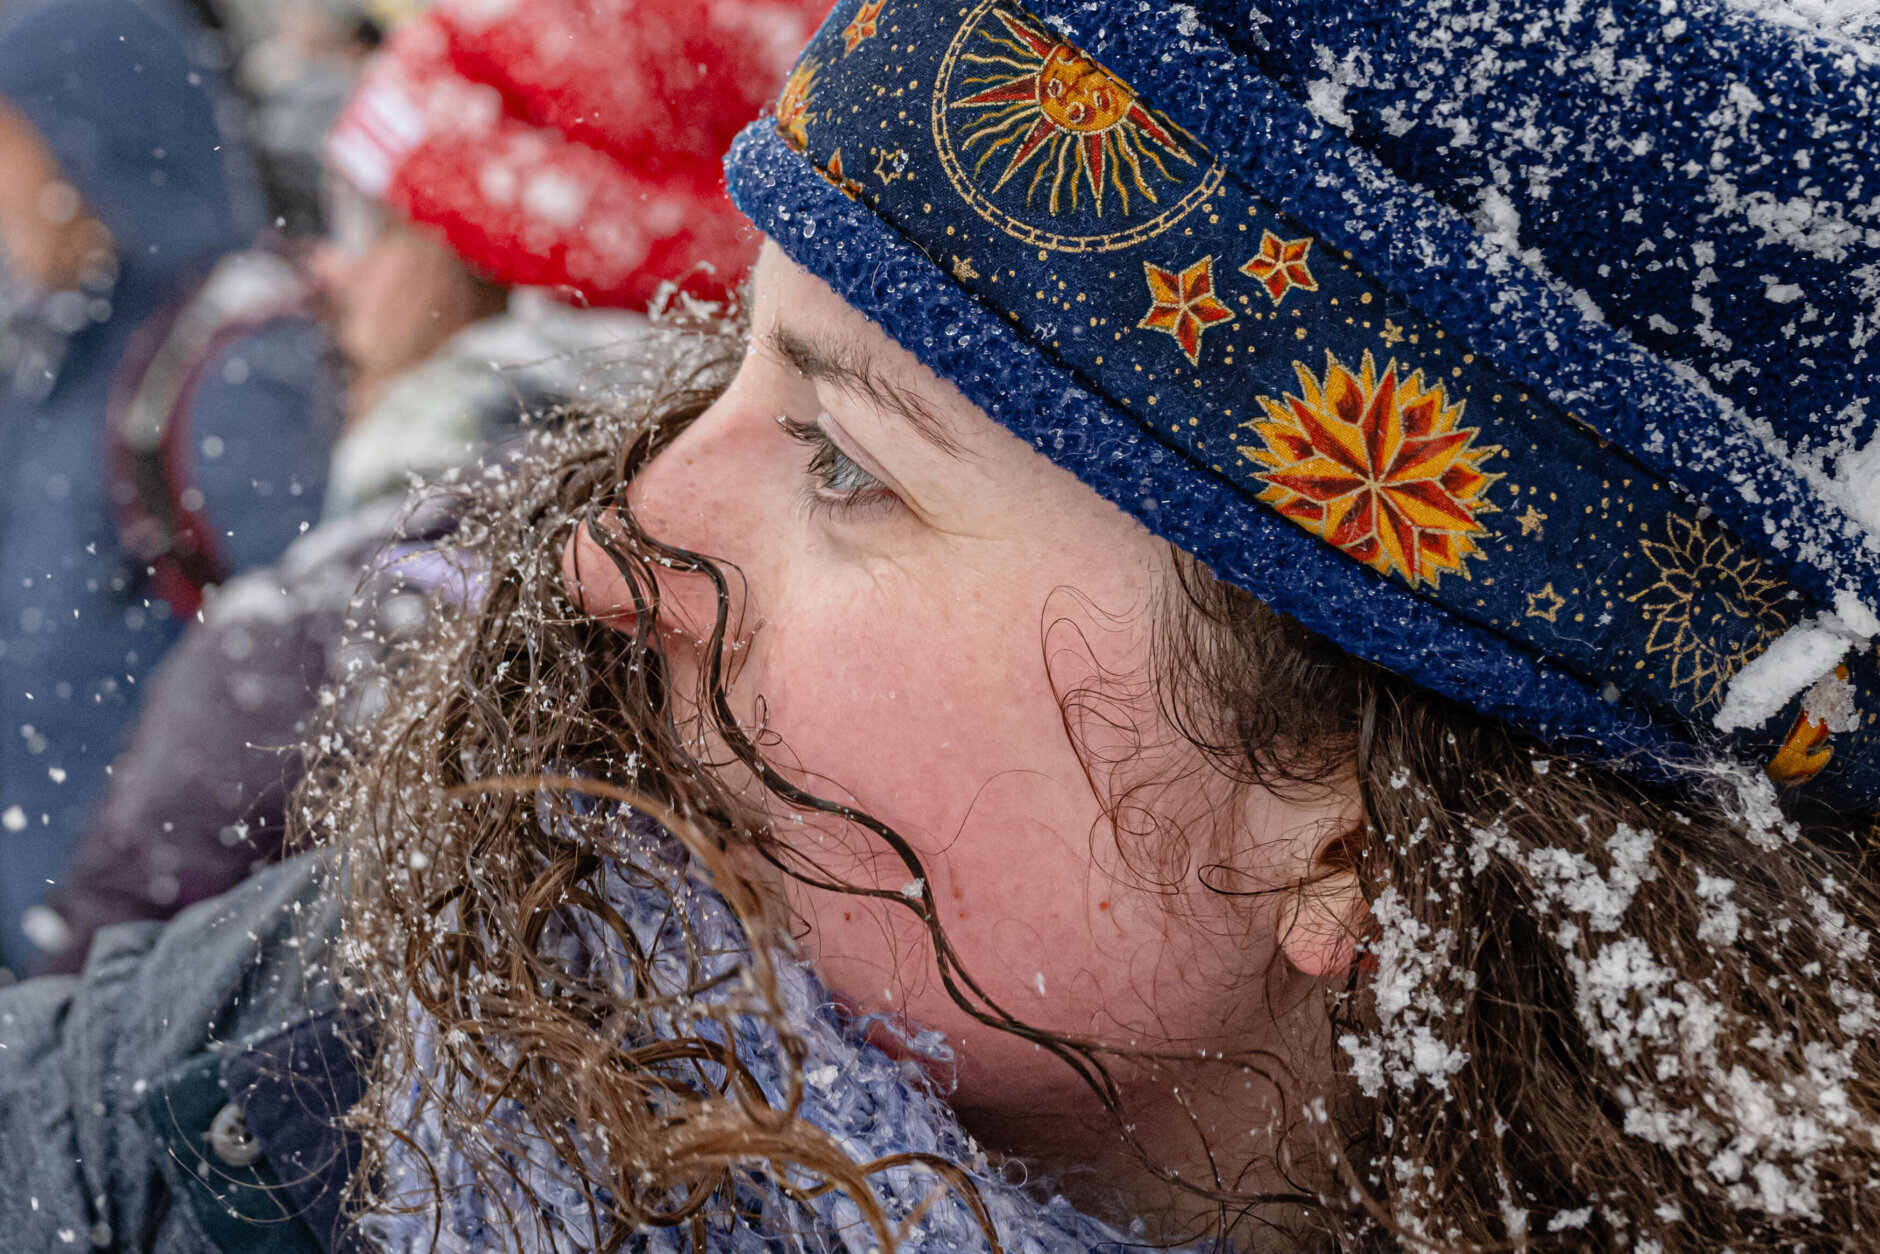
(1801, 659)
(1844, 19)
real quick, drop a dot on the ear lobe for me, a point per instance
(1322, 923)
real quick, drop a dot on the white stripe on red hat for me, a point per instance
(374, 135)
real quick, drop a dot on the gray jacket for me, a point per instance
(177, 1097)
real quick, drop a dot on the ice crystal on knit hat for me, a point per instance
(1844, 19)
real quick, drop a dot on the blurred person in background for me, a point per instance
(468, 189)
(297, 62)
(163, 417)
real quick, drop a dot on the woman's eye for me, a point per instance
(837, 480)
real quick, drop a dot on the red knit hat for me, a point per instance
(574, 144)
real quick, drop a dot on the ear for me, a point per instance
(1322, 923)
(1327, 914)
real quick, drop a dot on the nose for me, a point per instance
(702, 495)
(593, 581)
(328, 265)
(685, 600)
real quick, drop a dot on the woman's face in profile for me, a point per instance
(923, 592)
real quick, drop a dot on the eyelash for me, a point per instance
(840, 483)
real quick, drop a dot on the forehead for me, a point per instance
(792, 304)
(788, 297)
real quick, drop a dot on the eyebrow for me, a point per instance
(844, 365)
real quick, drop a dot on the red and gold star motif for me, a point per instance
(1184, 304)
(793, 104)
(862, 28)
(842, 182)
(1378, 466)
(1281, 266)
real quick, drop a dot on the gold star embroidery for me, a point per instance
(1712, 608)
(1183, 305)
(1545, 604)
(862, 29)
(963, 269)
(1392, 334)
(890, 165)
(1281, 266)
(1531, 521)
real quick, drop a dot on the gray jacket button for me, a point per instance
(229, 1138)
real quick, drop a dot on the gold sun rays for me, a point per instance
(1045, 107)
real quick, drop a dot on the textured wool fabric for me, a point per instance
(871, 1104)
(1550, 521)
(574, 146)
(1743, 248)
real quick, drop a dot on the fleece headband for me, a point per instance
(1120, 237)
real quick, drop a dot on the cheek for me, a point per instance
(381, 309)
(944, 725)
(396, 304)
(920, 705)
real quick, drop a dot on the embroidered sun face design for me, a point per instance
(1379, 466)
(1045, 108)
(793, 104)
(1711, 609)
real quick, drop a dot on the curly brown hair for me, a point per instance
(1592, 1013)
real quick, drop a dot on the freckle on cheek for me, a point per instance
(1103, 905)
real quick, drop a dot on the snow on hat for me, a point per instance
(1528, 356)
(574, 144)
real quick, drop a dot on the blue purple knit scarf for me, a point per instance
(871, 1104)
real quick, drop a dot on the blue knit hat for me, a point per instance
(1527, 356)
